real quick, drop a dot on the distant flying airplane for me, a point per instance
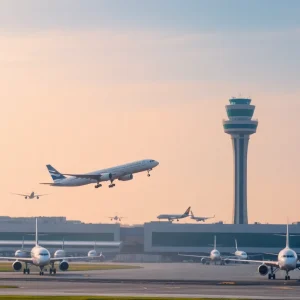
(40, 257)
(198, 219)
(116, 218)
(174, 217)
(31, 196)
(287, 261)
(214, 255)
(122, 173)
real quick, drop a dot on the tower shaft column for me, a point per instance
(240, 150)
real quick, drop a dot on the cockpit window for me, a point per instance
(151, 160)
(44, 254)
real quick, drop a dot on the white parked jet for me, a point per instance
(287, 261)
(174, 217)
(32, 195)
(40, 257)
(214, 255)
(238, 253)
(198, 219)
(122, 173)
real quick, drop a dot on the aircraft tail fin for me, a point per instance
(287, 236)
(54, 173)
(215, 242)
(63, 243)
(36, 232)
(236, 246)
(22, 243)
(187, 212)
(192, 214)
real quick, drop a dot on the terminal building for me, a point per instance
(152, 241)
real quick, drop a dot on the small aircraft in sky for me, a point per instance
(32, 195)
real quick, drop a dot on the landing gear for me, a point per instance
(41, 273)
(287, 277)
(98, 185)
(52, 271)
(149, 173)
(26, 271)
(271, 275)
(222, 263)
(111, 183)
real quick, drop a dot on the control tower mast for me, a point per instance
(240, 125)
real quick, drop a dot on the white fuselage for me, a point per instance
(117, 172)
(240, 254)
(59, 253)
(40, 256)
(172, 217)
(215, 255)
(287, 259)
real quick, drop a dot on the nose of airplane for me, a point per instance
(156, 163)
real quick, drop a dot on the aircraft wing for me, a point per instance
(269, 263)
(191, 255)
(21, 259)
(21, 195)
(70, 258)
(41, 195)
(86, 176)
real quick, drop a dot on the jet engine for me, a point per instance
(101, 257)
(17, 266)
(126, 177)
(106, 177)
(37, 197)
(64, 266)
(263, 270)
(25, 197)
(204, 260)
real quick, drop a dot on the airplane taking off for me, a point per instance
(198, 219)
(122, 173)
(40, 257)
(174, 217)
(287, 261)
(214, 256)
(116, 218)
(32, 195)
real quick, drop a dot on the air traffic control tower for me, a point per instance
(240, 125)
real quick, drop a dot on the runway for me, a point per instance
(173, 280)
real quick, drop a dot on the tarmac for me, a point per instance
(166, 279)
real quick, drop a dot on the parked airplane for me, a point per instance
(238, 253)
(32, 195)
(93, 254)
(22, 252)
(40, 257)
(287, 261)
(214, 255)
(60, 252)
(122, 173)
(174, 217)
(198, 219)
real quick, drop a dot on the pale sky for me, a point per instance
(90, 84)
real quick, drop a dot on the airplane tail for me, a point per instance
(287, 236)
(23, 243)
(36, 233)
(236, 246)
(95, 246)
(187, 212)
(215, 242)
(54, 173)
(192, 214)
(63, 244)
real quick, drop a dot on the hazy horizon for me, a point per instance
(93, 84)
